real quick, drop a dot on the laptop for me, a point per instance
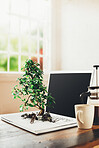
(66, 88)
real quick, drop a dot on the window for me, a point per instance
(24, 33)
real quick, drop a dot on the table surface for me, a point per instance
(14, 137)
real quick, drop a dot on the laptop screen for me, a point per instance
(66, 89)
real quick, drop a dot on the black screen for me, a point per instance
(66, 89)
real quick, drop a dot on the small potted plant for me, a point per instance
(32, 92)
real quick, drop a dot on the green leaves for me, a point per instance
(14, 97)
(31, 87)
(30, 105)
(21, 107)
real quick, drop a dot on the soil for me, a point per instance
(45, 117)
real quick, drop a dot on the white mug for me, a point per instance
(85, 115)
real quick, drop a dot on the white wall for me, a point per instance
(79, 34)
(55, 57)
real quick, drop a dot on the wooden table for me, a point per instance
(13, 137)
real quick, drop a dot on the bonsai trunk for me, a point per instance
(41, 112)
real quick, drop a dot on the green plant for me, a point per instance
(31, 89)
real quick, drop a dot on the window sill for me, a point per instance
(4, 77)
(10, 77)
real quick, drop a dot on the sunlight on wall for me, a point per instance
(80, 34)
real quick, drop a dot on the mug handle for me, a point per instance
(78, 116)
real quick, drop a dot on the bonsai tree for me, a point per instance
(31, 90)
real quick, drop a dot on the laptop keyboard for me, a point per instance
(63, 119)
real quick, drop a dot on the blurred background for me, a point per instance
(58, 34)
